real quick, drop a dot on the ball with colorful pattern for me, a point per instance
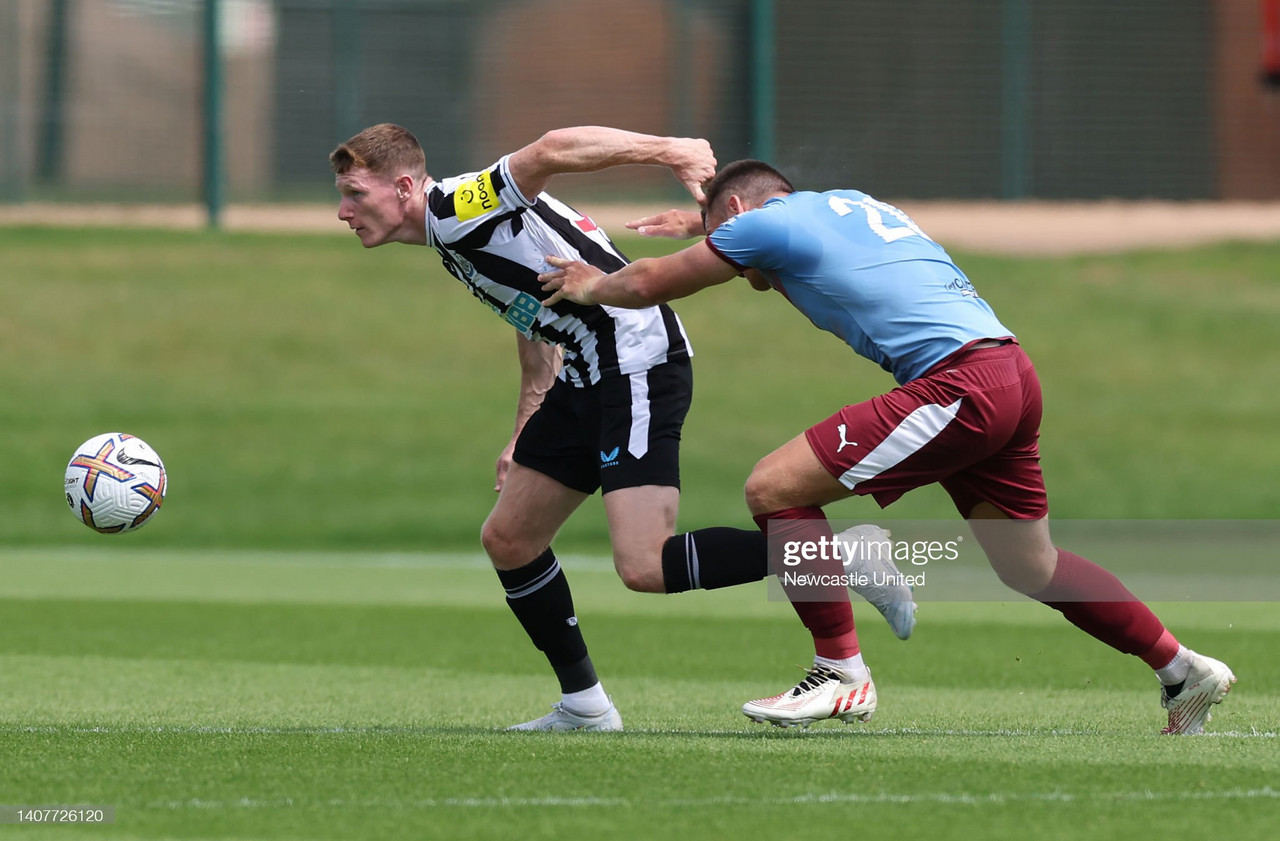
(115, 483)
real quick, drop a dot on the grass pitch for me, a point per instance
(305, 393)
(290, 651)
(335, 696)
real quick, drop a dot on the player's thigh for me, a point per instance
(641, 419)
(559, 440)
(907, 438)
(1008, 478)
(639, 423)
(791, 477)
(641, 519)
(929, 430)
(530, 510)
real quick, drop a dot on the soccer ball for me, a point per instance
(115, 483)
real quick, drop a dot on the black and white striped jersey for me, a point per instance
(495, 241)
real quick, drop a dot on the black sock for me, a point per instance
(538, 594)
(708, 559)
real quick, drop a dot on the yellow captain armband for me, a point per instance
(475, 198)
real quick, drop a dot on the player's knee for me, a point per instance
(640, 576)
(1015, 579)
(503, 546)
(492, 541)
(640, 581)
(760, 493)
(1025, 574)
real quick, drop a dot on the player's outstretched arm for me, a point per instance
(593, 148)
(644, 283)
(676, 224)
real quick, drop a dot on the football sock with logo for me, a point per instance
(824, 610)
(708, 559)
(538, 594)
(1097, 603)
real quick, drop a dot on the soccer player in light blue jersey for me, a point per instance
(966, 414)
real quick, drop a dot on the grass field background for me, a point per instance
(305, 644)
(307, 394)
(333, 696)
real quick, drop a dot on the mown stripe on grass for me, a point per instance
(818, 798)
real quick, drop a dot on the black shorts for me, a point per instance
(620, 433)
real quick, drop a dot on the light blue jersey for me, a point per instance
(861, 269)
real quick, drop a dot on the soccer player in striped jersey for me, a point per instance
(966, 414)
(603, 391)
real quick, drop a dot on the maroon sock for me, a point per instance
(1097, 603)
(830, 618)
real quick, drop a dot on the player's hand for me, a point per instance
(693, 162)
(571, 281)
(676, 224)
(503, 465)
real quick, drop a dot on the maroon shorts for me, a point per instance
(971, 424)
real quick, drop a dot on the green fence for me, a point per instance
(240, 100)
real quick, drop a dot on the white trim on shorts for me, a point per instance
(638, 442)
(909, 437)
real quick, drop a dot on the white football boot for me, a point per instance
(561, 718)
(872, 560)
(825, 693)
(1207, 683)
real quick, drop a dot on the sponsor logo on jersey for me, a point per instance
(964, 286)
(523, 312)
(474, 199)
(610, 458)
(844, 442)
(464, 266)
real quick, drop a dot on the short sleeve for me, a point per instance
(757, 239)
(461, 204)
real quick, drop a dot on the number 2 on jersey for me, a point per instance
(876, 211)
